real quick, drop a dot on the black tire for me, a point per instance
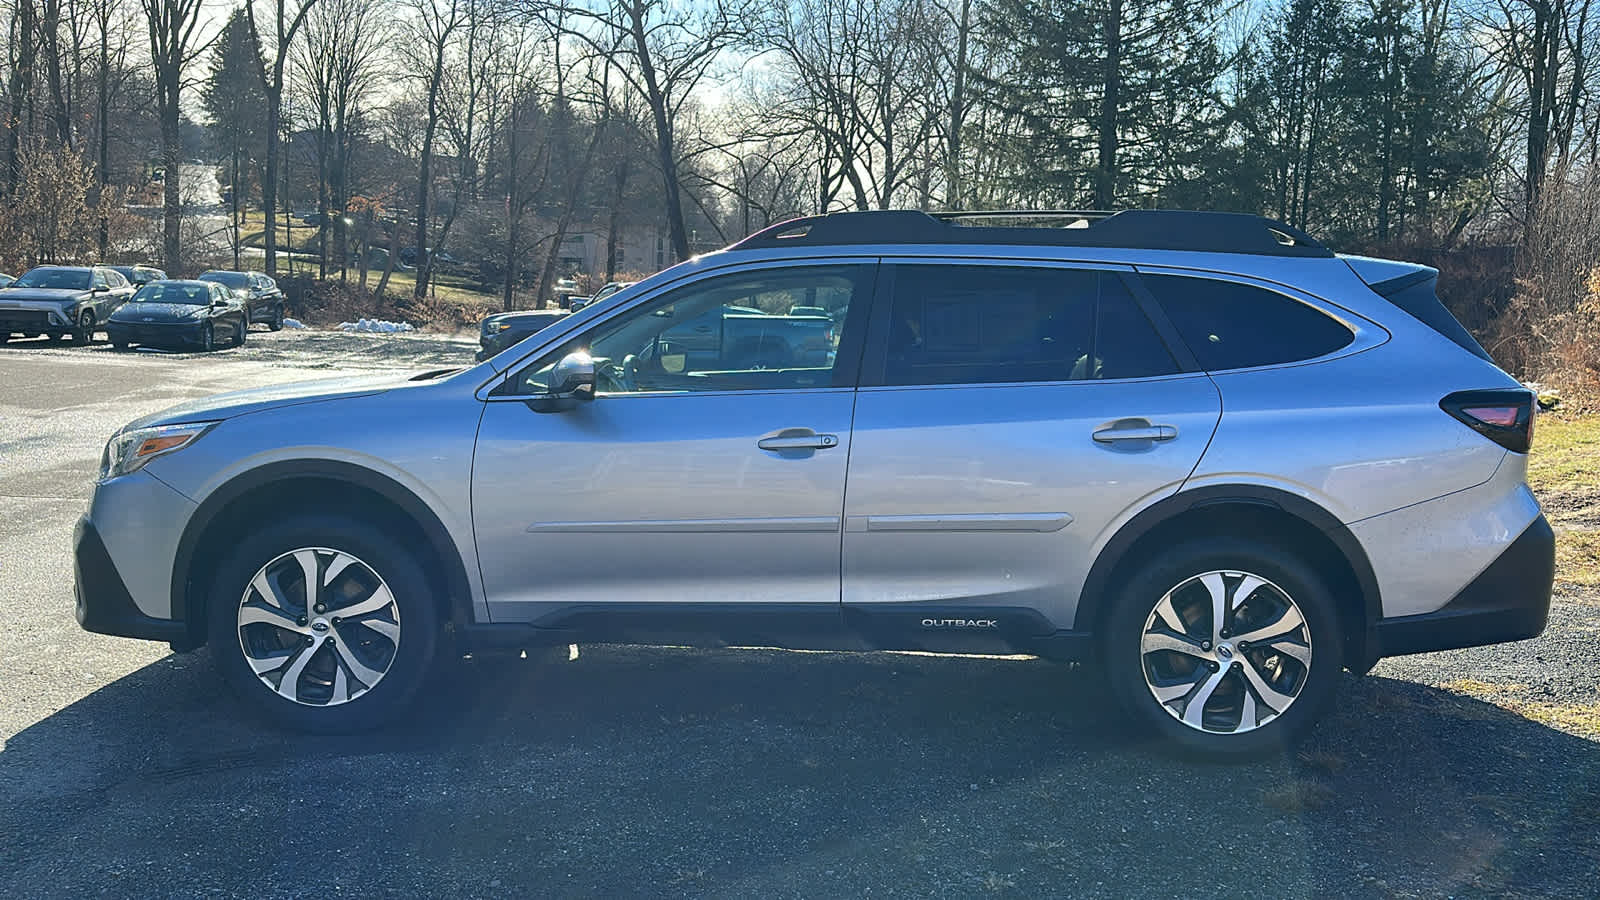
(239, 336)
(84, 333)
(409, 659)
(119, 345)
(5, 336)
(277, 321)
(208, 338)
(1132, 676)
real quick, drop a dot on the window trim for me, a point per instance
(874, 363)
(847, 360)
(1366, 333)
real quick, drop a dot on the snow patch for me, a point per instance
(376, 326)
(293, 323)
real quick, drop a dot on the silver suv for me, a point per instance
(1198, 450)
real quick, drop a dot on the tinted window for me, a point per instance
(994, 324)
(53, 278)
(1234, 326)
(186, 293)
(231, 279)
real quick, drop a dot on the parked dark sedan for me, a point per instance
(501, 330)
(261, 296)
(179, 314)
(139, 276)
(61, 301)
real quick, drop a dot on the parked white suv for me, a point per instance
(1197, 448)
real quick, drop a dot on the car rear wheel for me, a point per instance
(1226, 647)
(322, 624)
(277, 321)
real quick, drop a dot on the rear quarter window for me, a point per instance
(1229, 325)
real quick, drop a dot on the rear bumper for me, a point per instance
(103, 604)
(1508, 601)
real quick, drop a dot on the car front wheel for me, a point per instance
(84, 333)
(322, 624)
(1226, 647)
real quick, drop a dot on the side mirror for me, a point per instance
(571, 384)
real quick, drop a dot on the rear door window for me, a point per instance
(952, 324)
(1229, 325)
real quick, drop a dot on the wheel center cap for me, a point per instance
(1225, 651)
(319, 625)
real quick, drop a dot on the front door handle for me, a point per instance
(1138, 433)
(798, 439)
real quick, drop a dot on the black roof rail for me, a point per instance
(1143, 229)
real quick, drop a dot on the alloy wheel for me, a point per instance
(1226, 652)
(319, 627)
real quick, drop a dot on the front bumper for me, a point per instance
(36, 320)
(154, 335)
(1508, 601)
(103, 604)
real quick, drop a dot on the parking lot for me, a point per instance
(126, 770)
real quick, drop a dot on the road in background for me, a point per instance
(127, 770)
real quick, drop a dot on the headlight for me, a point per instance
(494, 327)
(128, 451)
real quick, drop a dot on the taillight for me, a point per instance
(1504, 416)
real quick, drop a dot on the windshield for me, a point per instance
(190, 294)
(231, 279)
(58, 279)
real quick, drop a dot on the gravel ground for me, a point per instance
(125, 769)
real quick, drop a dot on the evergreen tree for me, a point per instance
(235, 99)
(1110, 101)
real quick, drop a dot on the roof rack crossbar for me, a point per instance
(1147, 229)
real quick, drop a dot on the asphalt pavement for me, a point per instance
(127, 770)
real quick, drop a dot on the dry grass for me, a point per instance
(1573, 718)
(1564, 470)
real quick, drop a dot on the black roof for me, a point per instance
(1144, 229)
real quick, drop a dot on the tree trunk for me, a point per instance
(20, 88)
(425, 173)
(171, 159)
(667, 153)
(102, 122)
(1105, 181)
(958, 113)
(269, 178)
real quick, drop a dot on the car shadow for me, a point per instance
(757, 772)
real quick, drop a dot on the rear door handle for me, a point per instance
(1142, 433)
(798, 439)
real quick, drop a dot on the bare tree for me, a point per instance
(173, 25)
(663, 51)
(861, 77)
(339, 65)
(24, 40)
(285, 23)
(435, 26)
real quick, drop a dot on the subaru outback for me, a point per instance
(1199, 451)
